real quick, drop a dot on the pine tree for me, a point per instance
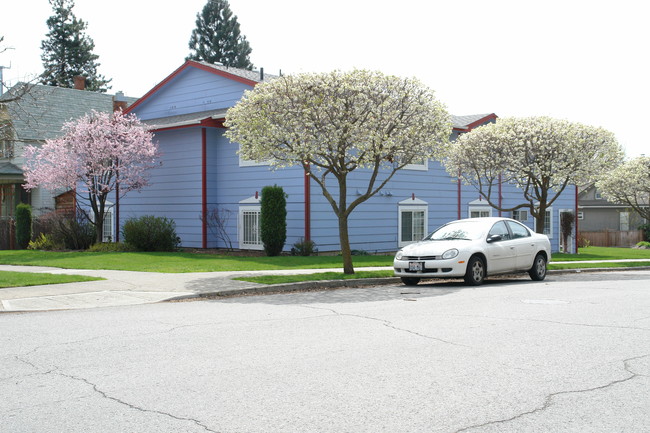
(217, 39)
(68, 51)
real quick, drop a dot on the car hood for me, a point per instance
(434, 248)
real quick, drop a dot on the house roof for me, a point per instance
(185, 119)
(40, 114)
(469, 122)
(9, 171)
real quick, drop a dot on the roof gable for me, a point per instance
(469, 122)
(196, 87)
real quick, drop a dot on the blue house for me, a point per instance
(201, 172)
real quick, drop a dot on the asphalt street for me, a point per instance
(570, 354)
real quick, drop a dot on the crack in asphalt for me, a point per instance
(388, 324)
(131, 406)
(548, 400)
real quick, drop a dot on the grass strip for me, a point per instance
(326, 276)
(23, 279)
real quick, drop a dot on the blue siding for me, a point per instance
(176, 190)
(192, 90)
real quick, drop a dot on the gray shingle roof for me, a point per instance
(185, 119)
(41, 113)
(462, 122)
(243, 73)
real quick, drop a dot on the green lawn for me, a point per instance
(603, 253)
(203, 262)
(22, 279)
(178, 262)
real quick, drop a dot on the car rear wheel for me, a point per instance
(538, 271)
(410, 281)
(475, 274)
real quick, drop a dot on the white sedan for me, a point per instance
(473, 249)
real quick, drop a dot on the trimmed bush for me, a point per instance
(23, 225)
(111, 247)
(273, 219)
(151, 233)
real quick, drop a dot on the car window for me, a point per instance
(457, 230)
(518, 230)
(501, 229)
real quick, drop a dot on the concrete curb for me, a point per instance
(312, 286)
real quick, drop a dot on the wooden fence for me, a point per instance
(612, 238)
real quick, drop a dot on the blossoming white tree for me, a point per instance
(539, 155)
(629, 183)
(99, 153)
(334, 123)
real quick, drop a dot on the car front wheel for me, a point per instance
(538, 271)
(475, 274)
(410, 281)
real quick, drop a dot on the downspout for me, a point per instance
(459, 195)
(204, 189)
(307, 205)
(500, 194)
(576, 217)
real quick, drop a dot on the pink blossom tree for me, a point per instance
(98, 153)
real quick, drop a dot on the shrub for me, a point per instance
(66, 230)
(643, 244)
(151, 233)
(23, 225)
(646, 231)
(111, 247)
(44, 242)
(273, 219)
(304, 248)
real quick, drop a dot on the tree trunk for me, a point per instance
(346, 253)
(540, 220)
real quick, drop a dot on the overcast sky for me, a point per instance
(585, 61)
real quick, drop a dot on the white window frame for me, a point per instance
(548, 227)
(420, 167)
(251, 204)
(517, 215)
(479, 206)
(412, 205)
(249, 163)
(109, 212)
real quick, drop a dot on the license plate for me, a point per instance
(416, 266)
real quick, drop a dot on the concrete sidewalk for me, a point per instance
(131, 288)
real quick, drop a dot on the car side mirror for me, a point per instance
(494, 238)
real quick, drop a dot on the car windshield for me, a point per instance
(459, 230)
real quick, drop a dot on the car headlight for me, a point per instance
(450, 254)
(398, 256)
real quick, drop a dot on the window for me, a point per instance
(597, 195)
(7, 204)
(581, 215)
(6, 149)
(249, 163)
(520, 215)
(248, 230)
(480, 212)
(518, 230)
(107, 235)
(413, 221)
(500, 229)
(548, 223)
(421, 164)
(624, 221)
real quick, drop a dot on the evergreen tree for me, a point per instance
(217, 39)
(68, 52)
